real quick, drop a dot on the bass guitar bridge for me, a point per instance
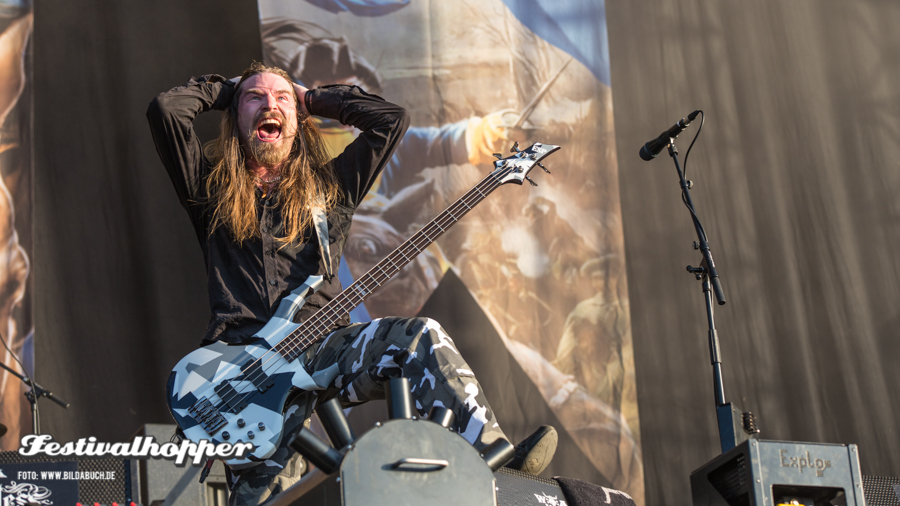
(207, 416)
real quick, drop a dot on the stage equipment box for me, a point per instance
(771, 473)
(164, 483)
(411, 463)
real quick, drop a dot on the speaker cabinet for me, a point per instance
(112, 479)
(164, 483)
(770, 473)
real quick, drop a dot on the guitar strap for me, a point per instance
(320, 219)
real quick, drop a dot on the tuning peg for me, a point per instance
(539, 164)
(515, 148)
(498, 156)
(530, 181)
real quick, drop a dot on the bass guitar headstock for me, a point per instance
(515, 168)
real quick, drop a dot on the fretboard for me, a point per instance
(319, 324)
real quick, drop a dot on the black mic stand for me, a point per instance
(734, 428)
(750, 470)
(33, 395)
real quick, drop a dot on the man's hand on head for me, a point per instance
(301, 96)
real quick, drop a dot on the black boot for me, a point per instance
(535, 452)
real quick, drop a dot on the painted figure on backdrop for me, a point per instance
(270, 209)
(16, 21)
(315, 57)
(598, 327)
(544, 284)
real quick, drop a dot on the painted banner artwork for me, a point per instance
(545, 265)
(16, 328)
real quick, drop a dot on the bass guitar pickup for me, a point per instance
(253, 372)
(230, 397)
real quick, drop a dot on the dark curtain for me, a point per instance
(796, 179)
(796, 175)
(119, 276)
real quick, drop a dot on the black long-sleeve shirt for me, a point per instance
(247, 281)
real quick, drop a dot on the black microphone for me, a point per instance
(655, 147)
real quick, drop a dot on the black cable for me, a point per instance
(686, 155)
(24, 371)
(684, 174)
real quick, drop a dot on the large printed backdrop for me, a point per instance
(15, 217)
(545, 264)
(795, 177)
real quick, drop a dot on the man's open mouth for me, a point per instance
(269, 129)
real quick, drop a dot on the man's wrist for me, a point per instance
(225, 94)
(302, 98)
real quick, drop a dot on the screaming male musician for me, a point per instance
(270, 209)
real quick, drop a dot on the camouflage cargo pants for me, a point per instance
(361, 357)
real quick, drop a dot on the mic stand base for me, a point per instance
(731, 426)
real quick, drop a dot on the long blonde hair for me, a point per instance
(305, 177)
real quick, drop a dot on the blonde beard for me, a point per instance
(269, 154)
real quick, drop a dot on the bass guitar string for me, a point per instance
(339, 304)
(343, 303)
(319, 329)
